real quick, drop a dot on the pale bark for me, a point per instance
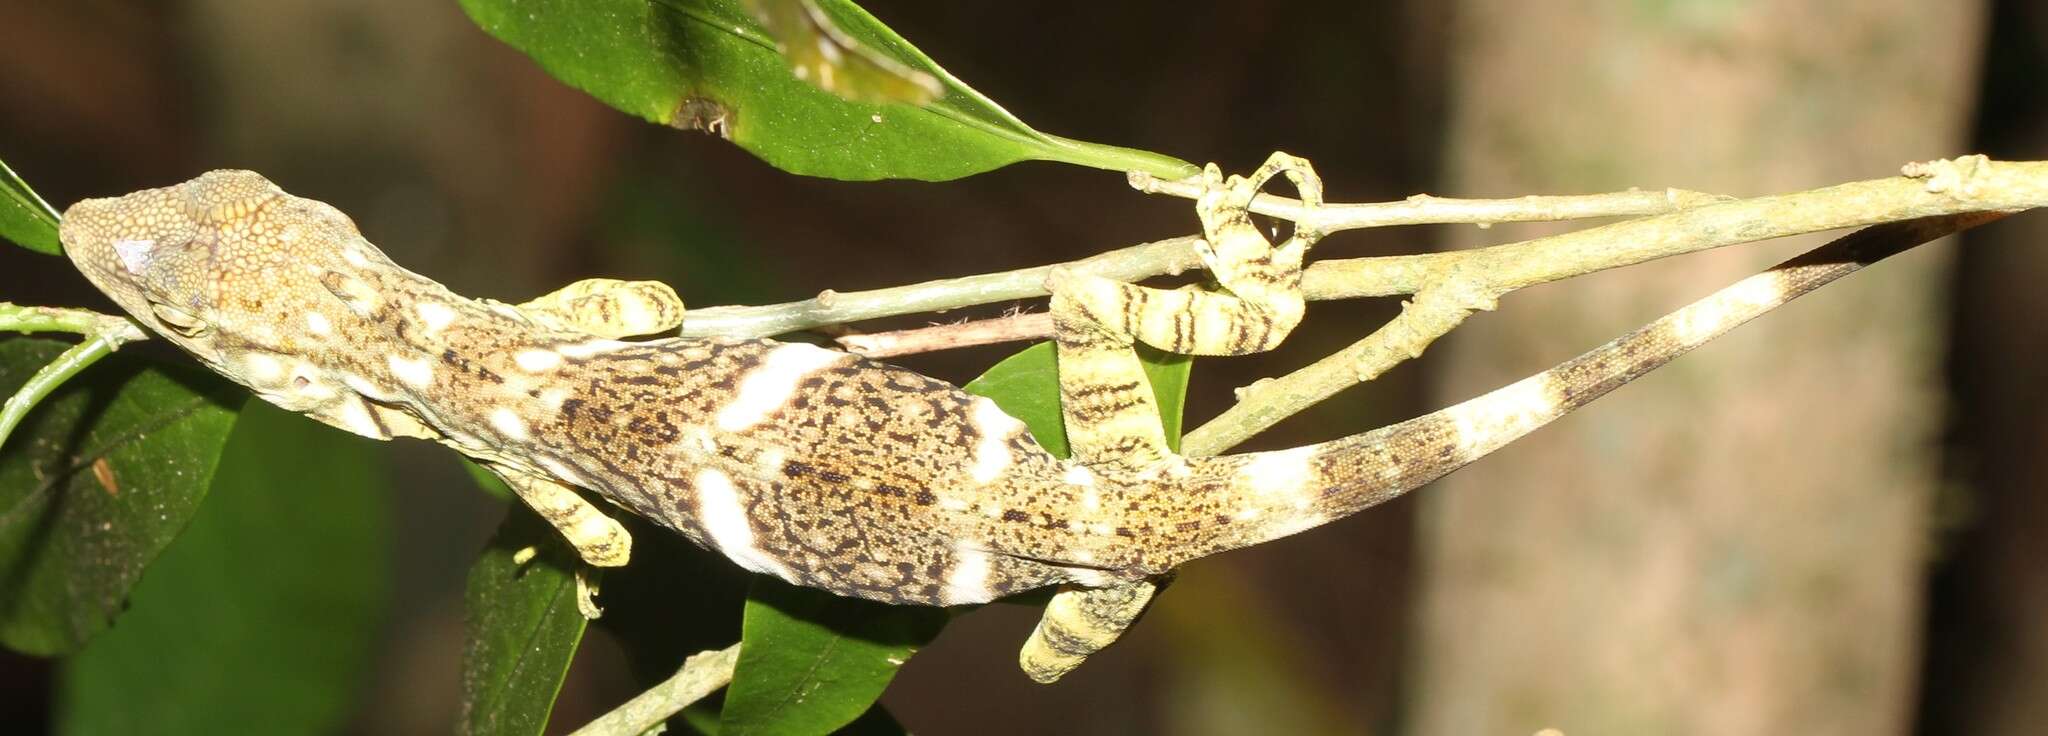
(1735, 544)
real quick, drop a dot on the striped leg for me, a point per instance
(1079, 622)
(1110, 414)
(597, 538)
(609, 308)
(1112, 419)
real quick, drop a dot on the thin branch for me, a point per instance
(19, 318)
(1966, 185)
(1424, 209)
(1987, 185)
(1011, 328)
(103, 334)
(1135, 263)
(701, 675)
(1430, 315)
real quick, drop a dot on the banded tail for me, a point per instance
(1282, 492)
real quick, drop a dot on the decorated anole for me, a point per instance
(811, 465)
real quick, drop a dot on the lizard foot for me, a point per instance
(1079, 622)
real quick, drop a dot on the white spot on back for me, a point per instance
(355, 257)
(317, 324)
(769, 385)
(725, 521)
(992, 453)
(536, 361)
(587, 348)
(417, 373)
(134, 254)
(967, 582)
(1079, 475)
(434, 317)
(508, 423)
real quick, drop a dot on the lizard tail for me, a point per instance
(1267, 495)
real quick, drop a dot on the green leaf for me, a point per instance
(811, 662)
(523, 629)
(486, 481)
(706, 65)
(94, 484)
(1027, 386)
(821, 54)
(263, 611)
(24, 217)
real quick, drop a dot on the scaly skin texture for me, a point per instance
(815, 466)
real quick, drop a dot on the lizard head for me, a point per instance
(252, 281)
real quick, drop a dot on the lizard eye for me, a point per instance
(178, 320)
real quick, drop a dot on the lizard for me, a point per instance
(815, 466)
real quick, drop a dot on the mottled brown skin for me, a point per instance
(855, 477)
(869, 449)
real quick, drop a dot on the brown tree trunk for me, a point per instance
(1987, 663)
(1734, 544)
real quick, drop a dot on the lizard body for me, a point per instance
(819, 467)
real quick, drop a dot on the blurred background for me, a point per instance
(1831, 521)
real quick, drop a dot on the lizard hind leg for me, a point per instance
(1112, 418)
(598, 539)
(1080, 622)
(609, 308)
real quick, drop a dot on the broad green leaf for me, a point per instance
(1027, 386)
(811, 662)
(260, 616)
(24, 217)
(523, 629)
(706, 65)
(94, 484)
(820, 53)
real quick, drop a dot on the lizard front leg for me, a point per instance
(608, 308)
(598, 539)
(1112, 419)
(605, 308)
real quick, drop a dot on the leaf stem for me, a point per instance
(104, 333)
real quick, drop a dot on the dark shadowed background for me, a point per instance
(1833, 524)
